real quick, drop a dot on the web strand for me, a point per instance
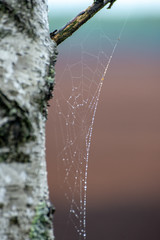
(76, 105)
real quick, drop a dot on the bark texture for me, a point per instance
(60, 35)
(27, 56)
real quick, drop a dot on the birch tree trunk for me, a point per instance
(27, 57)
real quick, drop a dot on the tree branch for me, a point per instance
(66, 31)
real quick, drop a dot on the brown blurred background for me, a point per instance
(123, 196)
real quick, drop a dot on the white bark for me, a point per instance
(25, 82)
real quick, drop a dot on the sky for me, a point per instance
(143, 7)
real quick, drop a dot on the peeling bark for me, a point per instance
(27, 57)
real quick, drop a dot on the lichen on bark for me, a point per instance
(41, 225)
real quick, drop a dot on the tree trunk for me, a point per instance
(27, 57)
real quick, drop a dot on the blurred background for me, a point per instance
(123, 194)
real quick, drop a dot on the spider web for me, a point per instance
(85, 60)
